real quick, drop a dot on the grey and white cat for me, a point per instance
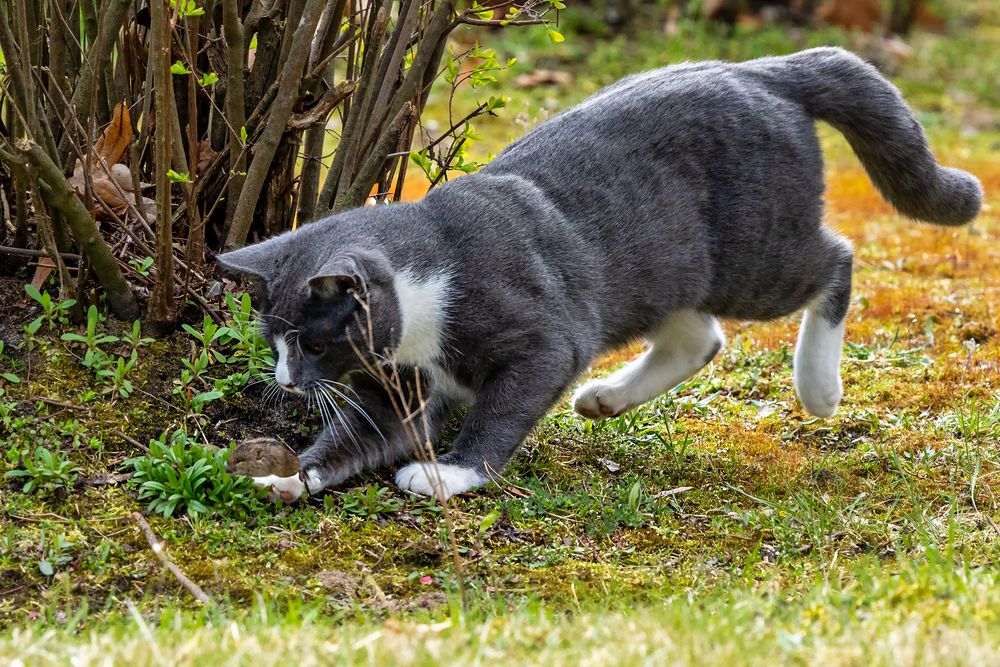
(667, 200)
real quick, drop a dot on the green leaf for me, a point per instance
(33, 292)
(10, 377)
(557, 4)
(556, 36)
(209, 79)
(243, 134)
(45, 567)
(180, 68)
(175, 177)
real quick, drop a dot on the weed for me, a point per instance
(370, 502)
(134, 337)
(54, 313)
(55, 553)
(115, 376)
(974, 420)
(178, 475)
(45, 472)
(208, 335)
(8, 376)
(94, 357)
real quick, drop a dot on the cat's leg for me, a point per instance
(503, 414)
(816, 365)
(684, 344)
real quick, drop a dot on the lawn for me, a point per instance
(719, 524)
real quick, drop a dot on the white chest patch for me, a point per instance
(423, 305)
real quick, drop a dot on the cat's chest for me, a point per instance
(447, 385)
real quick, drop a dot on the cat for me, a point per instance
(666, 201)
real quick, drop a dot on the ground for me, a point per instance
(718, 524)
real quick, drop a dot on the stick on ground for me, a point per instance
(157, 548)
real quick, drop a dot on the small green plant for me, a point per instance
(134, 337)
(94, 357)
(56, 552)
(7, 376)
(45, 472)
(242, 335)
(179, 475)
(209, 334)
(115, 376)
(54, 313)
(142, 266)
(371, 502)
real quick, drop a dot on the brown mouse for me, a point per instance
(260, 457)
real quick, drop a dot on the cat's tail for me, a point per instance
(838, 87)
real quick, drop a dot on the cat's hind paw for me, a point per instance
(286, 489)
(441, 480)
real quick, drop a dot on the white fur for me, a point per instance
(423, 304)
(439, 480)
(817, 362)
(447, 385)
(680, 348)
(281, 374)
(293, 485)
(314, 481)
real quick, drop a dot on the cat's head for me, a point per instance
(320, 307)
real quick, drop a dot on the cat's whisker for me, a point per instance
(329, 385)
(341, 418)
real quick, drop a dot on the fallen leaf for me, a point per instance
(116, 137)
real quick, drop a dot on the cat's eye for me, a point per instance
(314, 349)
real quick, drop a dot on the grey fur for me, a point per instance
(697, 186)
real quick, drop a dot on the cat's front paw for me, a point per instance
(598, 400)
(441, 480)
(286, 489)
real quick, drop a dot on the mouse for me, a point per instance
(262, 457)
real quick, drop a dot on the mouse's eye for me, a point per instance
(314, 348)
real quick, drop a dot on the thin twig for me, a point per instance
(157, 548)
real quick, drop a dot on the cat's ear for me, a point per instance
(257, 260)
(338, 276)
(350, 270)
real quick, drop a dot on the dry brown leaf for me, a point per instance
(42, 271)
(116, 137)
(205, 155)
(109, 194)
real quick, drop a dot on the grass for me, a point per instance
(718, 524)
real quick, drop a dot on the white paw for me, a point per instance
(597, 400)
(439, 480)
(820, 398)
(285, 489)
